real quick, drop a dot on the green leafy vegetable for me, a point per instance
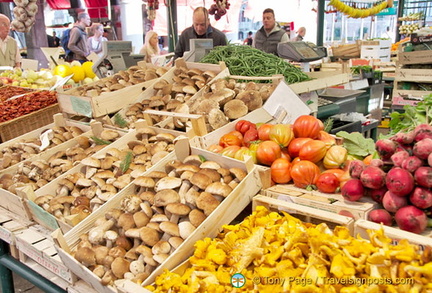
(357, 144)
(100, 141)
(202, 158)
(124, 165)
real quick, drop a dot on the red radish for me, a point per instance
(421, 197)
(423, 176)
(353, 190)
(422, 131)
(398, 157)
(376, 194)
(404, 138)
(377, 163)
(405, 147)
(392, 202)
(386, 148)
(381, 216)
(430, 159)
(423, 148)
(399, 181)
(373, 177)
(356, 167)
(411, 164)
(412, 219)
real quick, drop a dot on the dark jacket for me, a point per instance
(78, 43)
(268, 43)
(219, 39)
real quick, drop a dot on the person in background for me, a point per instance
(53, 41)
(301, 32)
(200, 29)
(9, 53)
(151, 46)
(249, 39)
(95, 41)
(78, 38)
(270, 34)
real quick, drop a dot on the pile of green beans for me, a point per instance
(247, 61)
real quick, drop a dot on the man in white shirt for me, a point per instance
(9, 51)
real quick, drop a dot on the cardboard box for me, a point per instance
(334, 203)
(227, 210)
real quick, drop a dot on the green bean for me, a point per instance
(248, 61)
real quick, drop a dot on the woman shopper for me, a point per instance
(151, 46)
(95, 41)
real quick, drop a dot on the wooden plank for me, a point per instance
(322, 80)
(416, 57)
(414, 75)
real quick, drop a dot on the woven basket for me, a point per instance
(26, 123)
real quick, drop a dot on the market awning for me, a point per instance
(59, 4)
(97, 8)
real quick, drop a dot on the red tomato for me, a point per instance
(243, 125)
(337, 172)
(263, 131)
(285, 154)
(229, 139)
(215, 148)
(280, 171)
(295, 160)
(250, 135)
(230, 151)
(282, 134)
(267, 152)
(296, 144)
(313, 151)
(307, 126)
(327, 182)
(304, 173)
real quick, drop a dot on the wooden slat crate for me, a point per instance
(321, 80)
(416, 57)
(414, 75)
(35, 243)
(227, 210)
(26, 123)
(334, 203)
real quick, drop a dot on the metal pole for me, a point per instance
(401, 4)
(320, 32)
(172, 24)
(6, 278)
(7, 262)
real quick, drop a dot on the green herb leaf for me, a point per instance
(100, 141)
(357, 144)
(202, 158)
(124, 165)
(120, 121)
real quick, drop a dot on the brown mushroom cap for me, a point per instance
(108, 134)
(217, 118)
(141, 219)
(119, 267)
(169, 228)
(167, 183)
(186, 229)
(196, 217)
(86, 256)
(175, 241)
(145, 181)
(238, 173)
(126, 221)
(186, 167)
(235, 109)
(91, 162)
(200, 180)
(149, 236)
(165, 197)
(160, 247)
(157, 174)
(210, 165)
(219, 188)
(178, 209)
(251, 98)
(207, 202)
(192, 160)
(211, 173)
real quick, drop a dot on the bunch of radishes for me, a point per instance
(401, 180)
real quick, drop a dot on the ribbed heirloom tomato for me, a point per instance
(296, 144)
(304, 173)
(230, 151)
(267, 152)
(230, 139)
(243, 125)
(282, 134)
(263, 131)
(313, 150)
(280, 171)
(307, 126)
(335, 157)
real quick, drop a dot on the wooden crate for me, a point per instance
(414, 75)
(229, 208)
(321, 80)
(346, 51)
(27, 123)
(35, 243)
(416, 57)
(334, 203)
(361, 227)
